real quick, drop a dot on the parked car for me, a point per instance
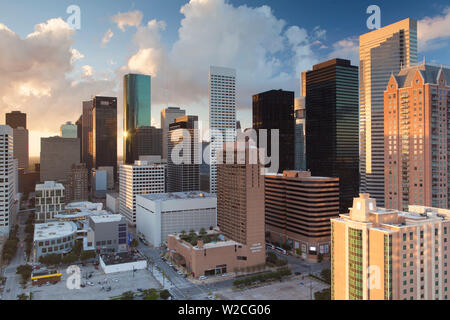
(202, 278)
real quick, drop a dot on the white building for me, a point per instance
(69, 130)
(168, 116)
(159, 215)
(7, 180)
(112, 202)
(222, 114)
(49, 200)
(140, 178)
(53, 238)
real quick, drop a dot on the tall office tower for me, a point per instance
(300, 134)
(168, 116)
(222, 115)
(275, 110)
(104, 133)
(142, 177)
(298, 210)
(382, 52)
(240, 201)
(16, 119)
(332, 125)
(7, 180)
(184, 172)
(79, 125)
(50, 198)
(148, 141)
(417, 140)
(69, 130)
(136, 112)
(86, 140)
(21, 147)
(57, 157)
(78, 184)
(382, 254)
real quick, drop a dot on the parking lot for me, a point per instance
(295, 288)
(118, 282)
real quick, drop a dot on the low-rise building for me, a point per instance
(53, 238)
(49, 200)
(122, 262)
(107, 233)
(158, 215)
(112, 202)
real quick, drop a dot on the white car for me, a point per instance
(202, 278)
(180, 273)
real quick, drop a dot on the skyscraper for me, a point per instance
(86, 139)
(136, 111)
(275, 110)
(16, 119)
(332, 125)
(79, 125)
(382, 52)
(185, 176)
(69, 130)
(57, 157)
(104, 133)
(78, 184)
(7, 180)
(148, 141)
(300, 134)
(142, 177)
(382, 254)
(417, 141)
(240, 202)
(222, 115)
(168, 116)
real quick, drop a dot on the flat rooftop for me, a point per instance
(50, 230)
(106, 218)
(123, 257)
(178, 196)
(49, 185)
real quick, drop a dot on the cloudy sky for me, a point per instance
(47, 69)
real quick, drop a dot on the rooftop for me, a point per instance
(106, 218)
(49, 185)
(178, 196)
(123, 257)
(50, 230)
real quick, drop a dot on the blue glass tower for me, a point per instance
(136, 111)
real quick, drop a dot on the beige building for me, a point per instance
(21, 147)
(240, 217)
(78, 184)
(49, 201)
(57, 157)
(385, 254)
(416, 137)
(382, 52)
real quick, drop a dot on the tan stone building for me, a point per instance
(415, 137)
(298, 210)
(385, 254)
(77, 190)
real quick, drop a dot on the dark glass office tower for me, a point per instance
(16, 119)
(332, 126)
(86, 135)
(185, 176)
(104, 133)
(148, 141)
(136, 111)
(275, 110)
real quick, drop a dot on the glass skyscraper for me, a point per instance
(382, 52)
(136, 111)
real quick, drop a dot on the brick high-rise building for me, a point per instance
(240, 201)
(78, 184)
(298, 210)
(16, 119)
(382, 254)
(57, 157)
(416, 137)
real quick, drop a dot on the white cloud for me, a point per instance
(36, 76)
(107, 37)
(432, 29)
(346, 49)
(132, 19)
(88, 71)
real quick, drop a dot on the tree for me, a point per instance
(319, 258)
(25, 272)
(323, 295)
(298, 251)
(86, 255)
(152, 295)
(127, 295)
(70, 258)
(165, 294)
(326, 275)
(202, 232)
(22, 296)
(134, 243)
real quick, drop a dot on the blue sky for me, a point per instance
(269, 42)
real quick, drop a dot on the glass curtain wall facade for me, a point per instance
(136, 112)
